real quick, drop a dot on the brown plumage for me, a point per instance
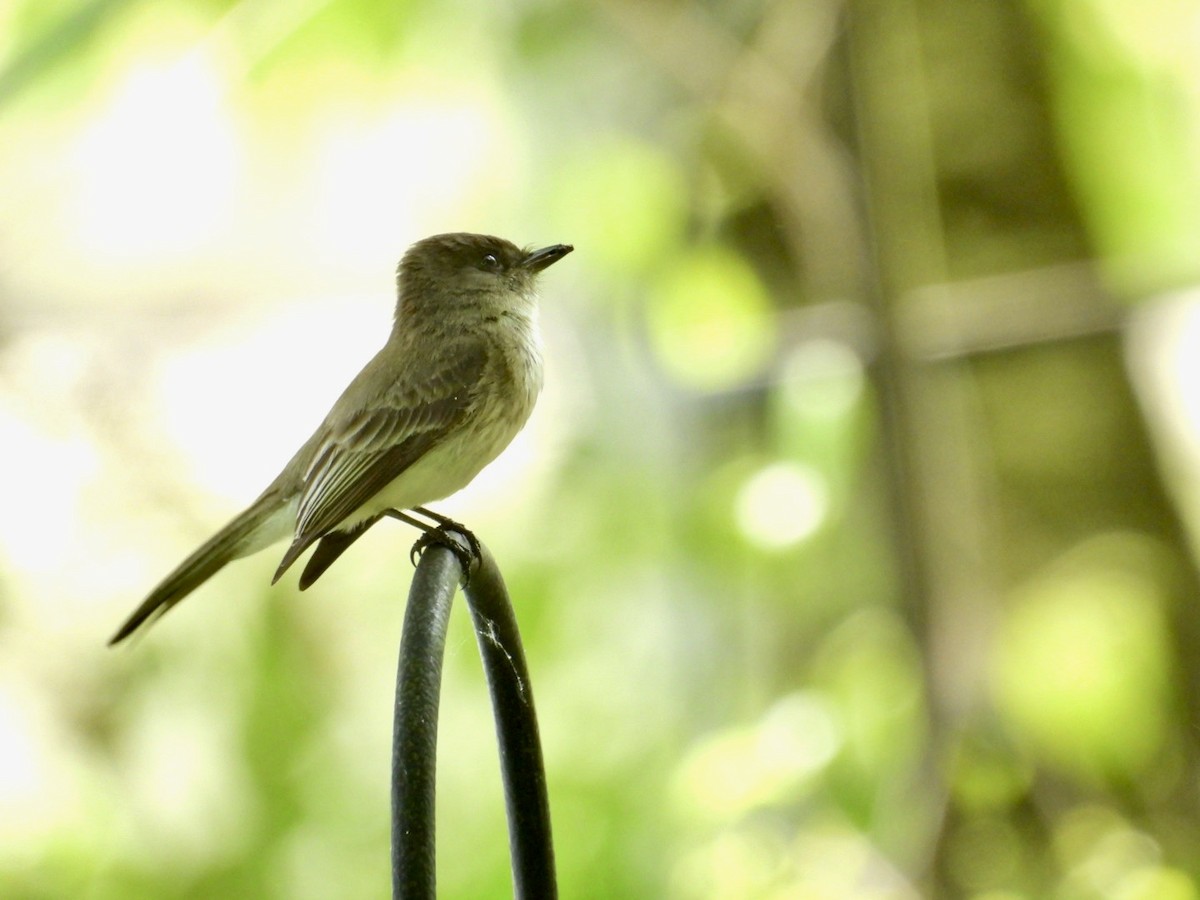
(455, 382)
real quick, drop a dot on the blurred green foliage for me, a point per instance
(811, 613)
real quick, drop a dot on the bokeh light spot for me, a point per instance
(158, 170)
(782, 504)
(823, 378)
(740, 769)
(710, 320)
(1080, 671)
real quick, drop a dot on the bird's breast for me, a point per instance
(502, 405)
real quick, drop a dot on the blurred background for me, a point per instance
(852, 540)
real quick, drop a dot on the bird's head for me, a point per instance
(470, 271)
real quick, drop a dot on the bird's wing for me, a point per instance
(362, 454)
(329, 548)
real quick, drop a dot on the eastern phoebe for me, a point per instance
(455, 382)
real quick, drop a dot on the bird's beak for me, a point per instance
(547, 256)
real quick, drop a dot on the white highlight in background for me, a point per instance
(158, 171)
(782, 504)
(388, 173)
(1163, 356)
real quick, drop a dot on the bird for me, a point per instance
(451, 387)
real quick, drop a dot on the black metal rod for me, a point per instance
(530, 842)
(414, 735)
(414, 730)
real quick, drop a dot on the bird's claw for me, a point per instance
(455, 538)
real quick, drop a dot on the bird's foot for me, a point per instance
(455, 538)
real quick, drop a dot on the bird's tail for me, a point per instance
(247, 533)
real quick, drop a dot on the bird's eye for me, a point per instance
(491, 263)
